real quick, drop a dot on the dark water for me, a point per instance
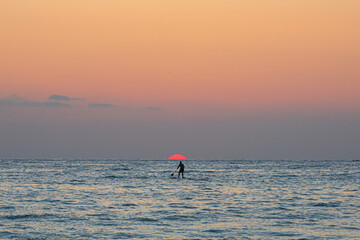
(122, 199)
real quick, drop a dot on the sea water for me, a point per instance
(218, 199)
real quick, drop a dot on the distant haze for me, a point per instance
(208, 79)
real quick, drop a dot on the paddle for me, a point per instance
(173, 173)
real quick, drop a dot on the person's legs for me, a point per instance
(182, 173)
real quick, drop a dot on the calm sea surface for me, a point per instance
(122, 199)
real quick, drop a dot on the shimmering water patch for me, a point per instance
(121, 199)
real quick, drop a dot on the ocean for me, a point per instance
(217, 199)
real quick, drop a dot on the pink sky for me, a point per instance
(238, 54)
(158, 61)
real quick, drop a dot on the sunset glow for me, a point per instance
(177, 157)
(100, 99)
(132, 72)
(234, 54)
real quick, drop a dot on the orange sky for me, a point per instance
(225, 53)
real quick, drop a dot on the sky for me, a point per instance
(209, 79)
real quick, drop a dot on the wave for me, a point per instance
(120, 169)
(329, 204)
(113, 177)
(144, 219)
(23, 216)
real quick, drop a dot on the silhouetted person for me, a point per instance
(181, 170)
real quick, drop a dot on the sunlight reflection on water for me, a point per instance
(218, 199)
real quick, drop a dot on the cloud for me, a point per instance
(15, 100)
(153, 108)
(47, 104)
(63, 98)
(100, 105)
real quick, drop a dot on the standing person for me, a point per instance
(181, 170)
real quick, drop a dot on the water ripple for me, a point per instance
(122, 199)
